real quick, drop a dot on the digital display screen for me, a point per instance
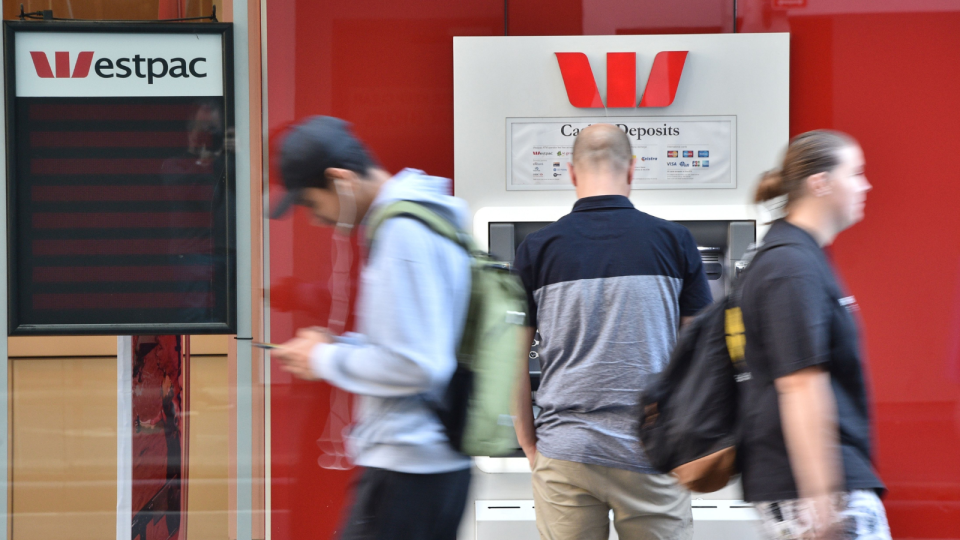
(121, 215)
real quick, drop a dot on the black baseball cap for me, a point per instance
(310, 148)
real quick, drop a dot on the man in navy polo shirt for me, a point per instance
(608, 288)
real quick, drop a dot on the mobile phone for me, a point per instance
(266, 346)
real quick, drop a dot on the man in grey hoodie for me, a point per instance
(412, 307)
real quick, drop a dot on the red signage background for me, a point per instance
(886, 73)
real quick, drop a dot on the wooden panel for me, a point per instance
(209, 420)
(46, 346)
(109, 9)
(64, 447)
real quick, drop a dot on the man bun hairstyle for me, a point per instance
(807, 154)
(770, 186)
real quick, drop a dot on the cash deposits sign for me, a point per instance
(727, 95)
(668, 152)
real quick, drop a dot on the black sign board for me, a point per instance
(120, 178)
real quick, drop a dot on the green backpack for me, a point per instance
(476, 408)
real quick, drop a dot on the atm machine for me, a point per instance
(705, 115)
(503, 501)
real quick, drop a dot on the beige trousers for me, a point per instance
(573, 502)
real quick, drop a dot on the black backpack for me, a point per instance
(688, 414)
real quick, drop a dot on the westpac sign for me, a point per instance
(660, 91)
(101, 64)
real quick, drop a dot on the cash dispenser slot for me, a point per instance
(712, 262)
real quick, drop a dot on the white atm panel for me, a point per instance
(714, 519)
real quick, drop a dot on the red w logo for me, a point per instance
(42, 65)
(622, 79)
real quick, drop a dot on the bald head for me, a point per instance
(602, 149)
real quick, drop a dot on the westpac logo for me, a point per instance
(122, 68)
(582, 90)
(62, 62)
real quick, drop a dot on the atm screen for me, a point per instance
(714, 237)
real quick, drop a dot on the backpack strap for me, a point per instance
(734, 330)
(460, 380)
(420, 212)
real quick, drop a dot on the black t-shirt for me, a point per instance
(797, 316)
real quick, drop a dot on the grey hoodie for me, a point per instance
(412, 307)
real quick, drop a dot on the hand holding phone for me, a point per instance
(294, 355)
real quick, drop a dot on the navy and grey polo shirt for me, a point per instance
(607, 285)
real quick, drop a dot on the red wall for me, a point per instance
(387, 67)
(885, 71)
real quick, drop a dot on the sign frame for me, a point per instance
(224, 325)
